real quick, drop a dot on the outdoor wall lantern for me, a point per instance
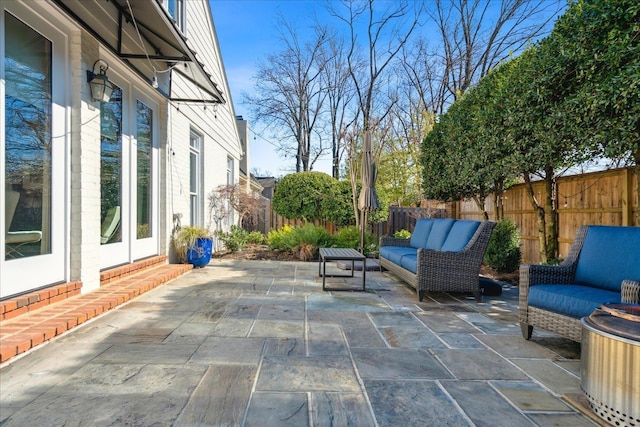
(101, 87)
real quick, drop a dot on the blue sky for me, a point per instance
(246, 32)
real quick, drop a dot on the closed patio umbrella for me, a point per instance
(368, 199)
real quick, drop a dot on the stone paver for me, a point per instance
(478, 365)
(550, 375)
(490, 411)
(258, 343)
(413, 403)
(529, 396)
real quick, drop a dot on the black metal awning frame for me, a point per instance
(176, 42)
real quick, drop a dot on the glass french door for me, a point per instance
(128, 178)
(32, 151)
(144, 191)
(114, 180)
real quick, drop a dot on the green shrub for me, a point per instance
(234, 240)
(304, 241)
(402, 234)
(300, 195)
(371, 248)
(347, 237)
(257, 238)
(281, 239)
(503, 253)
(337, 206)
(311, 235)
(553, 261)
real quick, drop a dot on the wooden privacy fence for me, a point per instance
(597, 198)
(399, 219)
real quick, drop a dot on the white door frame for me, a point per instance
(141, 248)
(24, 274)
(130, 248)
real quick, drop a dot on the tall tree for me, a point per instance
(387, 27)
(477, 34)
(423, 74)
(544, 130)
(474, 36)
(601, 39)
(410, 121)
(289, 93)
(340, 93)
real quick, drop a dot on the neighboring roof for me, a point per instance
(266, 181)
(116, 23)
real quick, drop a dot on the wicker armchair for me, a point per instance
(565, 274)
(444, 271)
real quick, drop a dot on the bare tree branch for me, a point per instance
(289, 92)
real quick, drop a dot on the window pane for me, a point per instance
(194, 141)
(194, 209)
(171, 8)
(111, 168)
(193, 181)
(28, 61)
(176, 9)
(229, 171)
(144, 137)
(194, 177)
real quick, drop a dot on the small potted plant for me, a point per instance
(193, 245)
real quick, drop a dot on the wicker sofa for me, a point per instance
(603, 266)
(443, 255)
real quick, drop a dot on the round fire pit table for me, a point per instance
(610, 362)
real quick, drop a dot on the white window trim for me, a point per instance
(196, 217)
(181, 14)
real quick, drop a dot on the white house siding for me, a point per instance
(215, 123)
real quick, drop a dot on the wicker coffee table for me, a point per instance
(340, 254)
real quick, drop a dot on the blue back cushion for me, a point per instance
(459, 235)
(609, 255)
(421, 233)
(439, 232)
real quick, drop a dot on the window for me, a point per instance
(230, 181)
(144, 139)
(28, 136)
(111, 168)
(194, 177)
(177, 10)
(229, 171)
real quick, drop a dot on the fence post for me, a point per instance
(627, 197)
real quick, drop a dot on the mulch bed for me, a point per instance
(263, 253)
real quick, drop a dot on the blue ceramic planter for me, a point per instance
(200, 254)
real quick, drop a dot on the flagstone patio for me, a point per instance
(258, 343)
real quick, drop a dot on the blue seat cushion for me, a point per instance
(410, 262)
(461, 232)
(609, 255)
(571, 300)
(421, 233)
(395, 253)
(439, 232)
